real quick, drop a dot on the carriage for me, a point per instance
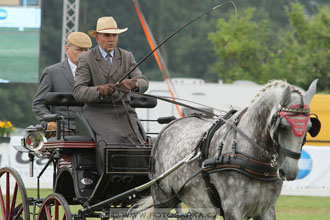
(75, 177)
(241, 154)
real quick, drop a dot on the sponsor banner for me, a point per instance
(21, 163)
(19, 17)
(314, 175)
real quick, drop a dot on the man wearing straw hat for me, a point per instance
(106, 109)
(59, 78)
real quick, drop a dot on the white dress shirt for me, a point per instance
(73, 67)
(104, 54)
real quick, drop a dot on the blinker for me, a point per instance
(316, 127)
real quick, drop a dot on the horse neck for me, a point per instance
(256, 119)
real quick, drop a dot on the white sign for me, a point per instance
(20, 17)
(314, 175)
(20, 162)
(4, 154)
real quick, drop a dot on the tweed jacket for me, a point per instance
(108, 117)
(55, 78)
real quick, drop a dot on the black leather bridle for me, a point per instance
(291, 111)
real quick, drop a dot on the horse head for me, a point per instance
(288, 124)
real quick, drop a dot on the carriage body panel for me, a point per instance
(77, 178)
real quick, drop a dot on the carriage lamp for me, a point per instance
(34, 141)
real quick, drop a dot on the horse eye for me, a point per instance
(284, 127)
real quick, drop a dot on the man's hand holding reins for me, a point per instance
(106, 90)
(109, 89)
(128, 84)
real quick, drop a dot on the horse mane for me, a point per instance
(271, 84)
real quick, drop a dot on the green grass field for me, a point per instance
(287, 207)
(303, 208)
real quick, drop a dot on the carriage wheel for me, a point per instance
(55, 207)
(13, 199)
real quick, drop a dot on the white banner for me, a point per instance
(314, 175)
(20, 17)
(10, 157)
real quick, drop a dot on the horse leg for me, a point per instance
(148, 210)
(165, 201)
(157, 206)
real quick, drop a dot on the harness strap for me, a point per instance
(265, 153)
(236, 121)
(289, 153)
(212, 191)
(256, 169)
(203, 146)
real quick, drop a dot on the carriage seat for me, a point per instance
(61, 99)
(83, 129)
(67, 99)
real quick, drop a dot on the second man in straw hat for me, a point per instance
(107, 109)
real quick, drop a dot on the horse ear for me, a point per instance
(286, 97)
(311, 91)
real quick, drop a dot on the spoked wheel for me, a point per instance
(55, 207)
(13, 199)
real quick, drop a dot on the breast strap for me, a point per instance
(255, 169)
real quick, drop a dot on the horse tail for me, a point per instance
(145, 209)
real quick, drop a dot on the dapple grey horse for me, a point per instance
(269, 128)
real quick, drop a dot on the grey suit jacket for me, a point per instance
(55, 78)
(93, 71)
(108, 117)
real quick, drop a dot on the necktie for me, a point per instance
(108, 59)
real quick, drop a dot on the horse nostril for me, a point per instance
(281, 174)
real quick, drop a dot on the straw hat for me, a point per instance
(106, 25)
(79, 39)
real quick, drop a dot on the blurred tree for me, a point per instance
(16, 99)
(247, 54)
(298, 53)
(306, 47)
(50, 33)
